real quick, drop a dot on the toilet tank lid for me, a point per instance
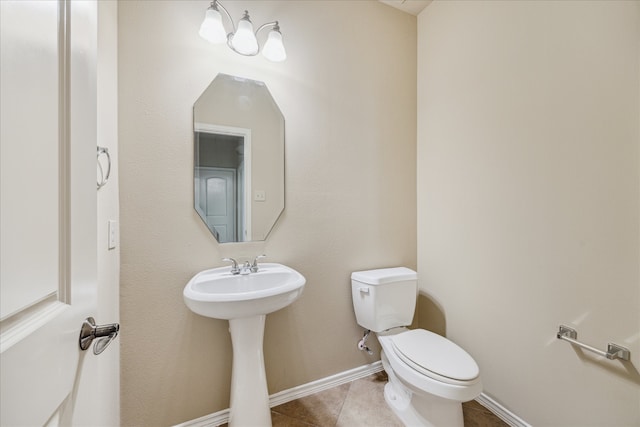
(384, 275)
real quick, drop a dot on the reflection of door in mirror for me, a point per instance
(218, 207)
(223, 181)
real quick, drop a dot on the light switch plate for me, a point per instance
(113, 234)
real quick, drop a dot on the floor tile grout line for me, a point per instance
(342, 405)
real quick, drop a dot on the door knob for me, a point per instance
(103, 333)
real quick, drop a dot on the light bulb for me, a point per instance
(244, 40)
(273, 49)
(212, 29)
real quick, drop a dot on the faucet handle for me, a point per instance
(234, 265)
(254, 266)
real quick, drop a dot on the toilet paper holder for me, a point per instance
(614, 351)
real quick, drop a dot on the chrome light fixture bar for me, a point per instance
(242, 40)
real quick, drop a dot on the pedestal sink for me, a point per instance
(245, 300)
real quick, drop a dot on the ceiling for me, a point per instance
(413, 7)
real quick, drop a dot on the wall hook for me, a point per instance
(104, 177)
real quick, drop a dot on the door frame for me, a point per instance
(245, 134)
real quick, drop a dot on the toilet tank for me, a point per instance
(384, 298)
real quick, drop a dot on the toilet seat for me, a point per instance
(420, 380)
(435, 356)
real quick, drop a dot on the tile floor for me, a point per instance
(360, 404)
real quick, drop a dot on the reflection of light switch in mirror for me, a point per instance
(260, 196)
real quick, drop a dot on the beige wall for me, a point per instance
(528, 198)
(348, 94)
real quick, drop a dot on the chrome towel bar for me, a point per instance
(614, 351)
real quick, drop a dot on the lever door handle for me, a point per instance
(103, 333)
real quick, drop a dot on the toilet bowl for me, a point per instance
(429, 375)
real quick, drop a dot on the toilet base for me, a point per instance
(419, 409)
(423, 411)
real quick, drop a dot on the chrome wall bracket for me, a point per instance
(614, 351)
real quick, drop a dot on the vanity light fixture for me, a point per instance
(243, 39)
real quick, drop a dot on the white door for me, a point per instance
(220, 203)
(48, 204)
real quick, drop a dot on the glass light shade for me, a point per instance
(212, 29)
(244, 41)
(273, 49)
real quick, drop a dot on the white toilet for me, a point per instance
(429, 376)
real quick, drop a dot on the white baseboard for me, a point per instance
(324, 384)
(501, 412)
(221, 417)
(294, 393)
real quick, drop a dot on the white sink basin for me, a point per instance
(245, 300)
(219, 294)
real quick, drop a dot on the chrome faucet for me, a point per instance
(247, 267)
(234, 265)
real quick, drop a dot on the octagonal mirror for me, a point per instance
(239, 159)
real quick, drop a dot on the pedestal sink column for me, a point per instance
(249, 395)
(245, 300)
